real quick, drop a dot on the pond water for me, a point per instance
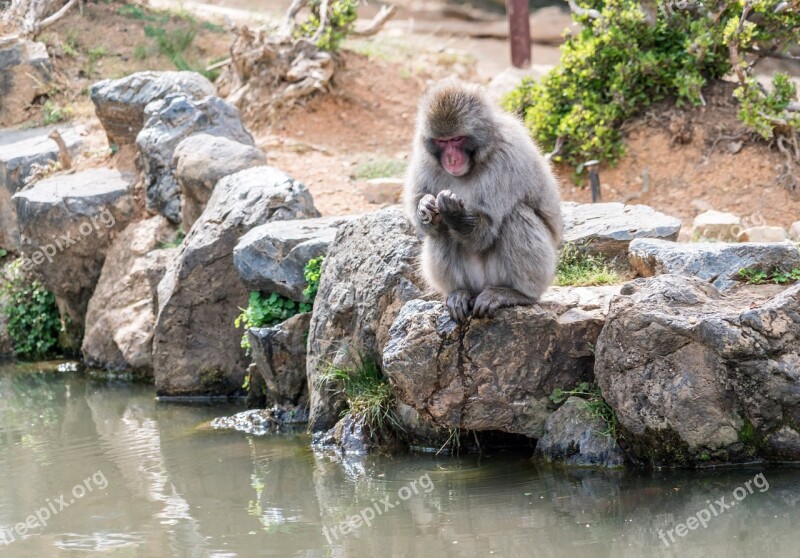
(111, 471)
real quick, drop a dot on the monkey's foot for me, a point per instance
(494, 298)
(459, 304)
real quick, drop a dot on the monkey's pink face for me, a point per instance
(453, 155)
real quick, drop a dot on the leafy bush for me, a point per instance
(341, 15)
(624, 60)
(577, 269)
(263, 311)
(267, 310)
(32, 316)
(598, 408)
(54, 113)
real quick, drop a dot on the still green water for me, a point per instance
(136, 477)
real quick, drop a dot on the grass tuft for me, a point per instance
(578, 269)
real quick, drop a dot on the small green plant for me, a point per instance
(175, 242)
(380, 168)
(173, 44)
(576, 268)
(54, 113)
(267, 310)
(755, 276)
(32, 315)
(312, 273)
(340, 18)
(368, 395)
(3, 253)
(598, 408)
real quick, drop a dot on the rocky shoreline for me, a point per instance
(695, 367)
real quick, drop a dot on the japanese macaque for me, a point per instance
(485, 199)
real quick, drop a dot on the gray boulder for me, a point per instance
(200, 161)
(279, 355)
(696, 376)
(574, 437)
(168, 122)
(271, 258)
(67, 223)
(24, 75)
(715, 262)
(196, 347)
(259, 422)
(608, 228)
(20, 151)
(368, 274)
(495, 374)
(120, 103)
(122, 311)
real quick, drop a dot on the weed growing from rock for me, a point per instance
(598, 408)
(577, 269)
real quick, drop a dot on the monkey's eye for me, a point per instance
(454, 141)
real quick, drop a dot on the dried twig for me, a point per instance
(376, 23)
(323, 21)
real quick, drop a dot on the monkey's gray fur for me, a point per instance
(492, 234)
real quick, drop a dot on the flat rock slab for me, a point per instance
(696, 376)
(271, 258)
(608, 228)
(120, 103)
(19, 151)
(495, 374)
(66, 225)
(715, 262)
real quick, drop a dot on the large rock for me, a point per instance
(67, 223)
(120, 103)
(20, 150)
(279, 355)
(495, 374)
(573, 436)
(24, 75)
(122, 312)
(369, 273)
(717, 263)
(763, 233)
(608, 228)
(697, 376)
(271, 258)
(168, 122)
(196, 348)
(200, 161)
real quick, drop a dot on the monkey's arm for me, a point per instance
(469, 226)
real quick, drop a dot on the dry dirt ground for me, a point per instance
(681, 162)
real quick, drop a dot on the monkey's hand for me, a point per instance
(449, 204)
(428, 211)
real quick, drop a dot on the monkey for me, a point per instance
(484, 199)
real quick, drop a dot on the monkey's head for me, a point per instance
(455, 123)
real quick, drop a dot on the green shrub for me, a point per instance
(54, 113)
(263, 311)
(777, 276)
(623, 61)
(341, 15)
(32, 315)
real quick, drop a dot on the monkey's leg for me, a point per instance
(470, 226)
(493, 298)
(459, 304)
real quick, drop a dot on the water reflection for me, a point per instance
(178, 489)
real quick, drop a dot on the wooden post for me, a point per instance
(519, 34)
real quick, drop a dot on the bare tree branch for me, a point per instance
(288, 21)
(578, 11)
(376, 23)
(323, 21)
(47, 22)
